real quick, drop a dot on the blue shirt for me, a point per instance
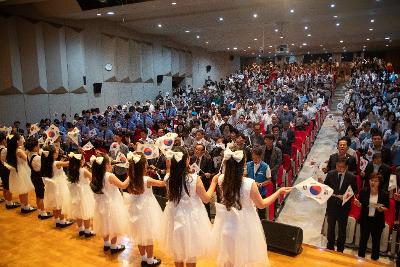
(260, 175)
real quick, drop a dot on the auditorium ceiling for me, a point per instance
(244, 26)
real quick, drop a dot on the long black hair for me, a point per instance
(12, 146)
(47, 161)
(98, 172)
(136, 173)
(232, 183)
(74, 167)
(178, 178)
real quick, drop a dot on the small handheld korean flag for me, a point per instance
(123, 161)
(347, 195)
(150, 151)
(92, 133)
(392, 182)
(34, 129)
(167, 141)
(370, 153)
(115, 147)
(363, 164)
(315, 190)
(88, 146)
(194, 168)
(52, 134)
(73, 135)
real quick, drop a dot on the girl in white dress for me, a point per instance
(20, 174)
(238, 236)
(186, 229)
(82, 200)
(56, 195)
(144, 211)
(110, 215)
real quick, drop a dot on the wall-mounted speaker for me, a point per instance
(84, 80)
(208, 68)
(160, 79)
(97, 88)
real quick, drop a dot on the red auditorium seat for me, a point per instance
(271, 208)
(286, 162)
(352, 222)
(280, 182)
(359, 183)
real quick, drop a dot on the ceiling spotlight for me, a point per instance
(248, 47)
(173, 3)
(344, 50)
(308, 52)
(387, 38)
(321, 45)
(372, 20)
(309, 35)
(110, 13)
(198, 36)
(332, 5)
(159, 26)
(301, 46)
(255, 15)
(281, 37)
(364, 46)
(292, 44)
(367, 39)
(370, 29)
(235, 48)
(292, 11)
(244, 50)
(207, 42)
(304, 44)
(270, 46)
(337, 24)
(387, 45)
(221, 19)
(305, 27)
(335, 16)
(276, 30)
(341, 41)
(187, 31)
(98, 14)
(228, 48)
(255, 39)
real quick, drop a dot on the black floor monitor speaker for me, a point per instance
(283, 238)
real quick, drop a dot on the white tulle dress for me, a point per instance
(82, 199)
(144, 216)
(110, 213)
(56, 194)
(237, 235)
(20, 180)
(186, 229)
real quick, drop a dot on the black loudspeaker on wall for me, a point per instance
(283, 238)
(97, 88)
(160, 78)
(208, 68)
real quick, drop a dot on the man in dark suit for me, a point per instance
(206, 166)
(342, 152)
(339, 180)
(271, 155)
(289, 136)
(376, 166)
(377, 147)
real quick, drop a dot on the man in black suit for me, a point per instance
(342, 152)
(289, 136)
(339, 180)
(377, 166)
(377, 147)
(206, 166)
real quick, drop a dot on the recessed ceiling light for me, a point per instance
(198, 36)
(341, 41)
(110, 13)
(335, 16)
(372, 20)
(270, 46)
(292, 44)
(244, 50)
(332, 5)
(304, 44)
(221, 19)
(187, 31)
(371, 29)
(255, 15)
(305, 27)
(276, 30)
(207, 42)
(337, 24)
(159, 26)
(321, 45)
(228, 48)
(281, 37)
(235, 48)
(309, 35)
(173, 3)
(387, 45)
(364, 46)
(367, 39)
(387, 38)
(269, 52)
(292, 11)
(345, 50)
(255, 39)
(308, 52)
(301, 46)
(248, 47)
(98, 14)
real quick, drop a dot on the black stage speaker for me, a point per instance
(283, 238)
(160, 78)
(97, 88)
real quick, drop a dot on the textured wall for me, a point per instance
(44, 65)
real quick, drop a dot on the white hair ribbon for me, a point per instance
(132, 156)
(99, 160)
(73, 155)
(237, 155)
(169, 154)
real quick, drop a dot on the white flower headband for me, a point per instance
(237, 155)
(73, 155)
(99, 160)
(169, 154)
(132, 156)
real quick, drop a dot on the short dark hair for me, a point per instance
(342, 160)
(270, 137)
(345, 138)
(376, 156)
(257, 151)
(376, 133)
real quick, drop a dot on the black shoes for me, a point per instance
(45, 216)
(81, 233)
(90, 234)
(28, 210)
(118, 249)
(13, 205)
(63, 225)
(156, 262)
(106, 248)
